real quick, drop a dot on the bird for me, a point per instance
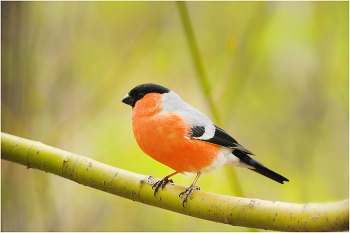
(181, 137)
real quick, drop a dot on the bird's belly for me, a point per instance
(165, 138)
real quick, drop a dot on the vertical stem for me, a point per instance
(204, 81)
(197, 59)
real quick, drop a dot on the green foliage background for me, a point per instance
(279, 73)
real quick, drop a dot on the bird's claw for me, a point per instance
(188, 192)
(161, 183)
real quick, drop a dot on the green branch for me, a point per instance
(235, 211)
(197, 59)
(205, 83)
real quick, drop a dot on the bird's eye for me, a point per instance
(140, 95)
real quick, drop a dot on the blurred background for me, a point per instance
(279, 77)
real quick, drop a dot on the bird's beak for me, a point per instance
(128, 100)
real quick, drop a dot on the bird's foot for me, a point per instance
(161, 183)
(188, 192)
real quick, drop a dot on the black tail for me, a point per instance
(259, 168)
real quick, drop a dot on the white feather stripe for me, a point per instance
(209, 132)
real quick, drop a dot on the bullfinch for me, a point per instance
(181, 137)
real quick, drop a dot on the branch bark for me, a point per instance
(236, 211)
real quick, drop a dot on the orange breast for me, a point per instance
(163, 137)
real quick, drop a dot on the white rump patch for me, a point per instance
(220, 161)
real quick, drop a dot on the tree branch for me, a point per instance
(237, 211)
(204, 80)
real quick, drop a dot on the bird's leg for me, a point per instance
(189, 190)
(162, 182)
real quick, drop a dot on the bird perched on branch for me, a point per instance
(184, 139)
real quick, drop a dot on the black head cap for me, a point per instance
(141, 90)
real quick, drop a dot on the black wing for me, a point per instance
(220, 138)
